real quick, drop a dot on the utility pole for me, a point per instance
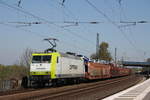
(144, 56)
(97, 46)
(115, 56)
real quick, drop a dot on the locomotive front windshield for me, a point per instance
(41, 59)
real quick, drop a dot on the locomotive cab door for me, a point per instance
(58, 67)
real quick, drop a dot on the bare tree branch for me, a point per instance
(26, 57)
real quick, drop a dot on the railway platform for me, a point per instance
(140, 91)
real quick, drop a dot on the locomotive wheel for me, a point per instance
(57, 82)
(54, 83)
(41, 84)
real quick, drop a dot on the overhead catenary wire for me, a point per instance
(43, 36)
(45, 20)
(28, 13)
(68, 10)
(49, 22)
(82, 38)
(19, 3)
(76, 21)
(125, 23)
(128, 24)
(67, 23)
(109, 20)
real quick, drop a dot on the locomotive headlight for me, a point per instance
(32, 73)
(47, 72)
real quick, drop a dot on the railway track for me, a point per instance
(76, 92)
(15, 91)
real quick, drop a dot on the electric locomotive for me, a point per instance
(55, 68)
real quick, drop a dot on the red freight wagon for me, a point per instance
(114, 71)
(118, 71)
(124, 71)
(98, 71)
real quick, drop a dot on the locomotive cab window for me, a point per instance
(36, 59)
(46, 59)
(41, 59)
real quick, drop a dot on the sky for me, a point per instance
(130, 39)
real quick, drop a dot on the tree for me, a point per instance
(26, 57)
(104, 54)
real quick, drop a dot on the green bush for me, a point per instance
(12, 72)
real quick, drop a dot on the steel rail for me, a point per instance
(77, 91)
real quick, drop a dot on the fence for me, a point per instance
(9, 84)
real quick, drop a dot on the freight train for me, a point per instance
(58, 68)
